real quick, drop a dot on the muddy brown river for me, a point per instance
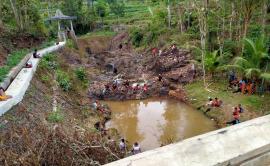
(154, 122)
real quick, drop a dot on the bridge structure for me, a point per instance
(244, 144)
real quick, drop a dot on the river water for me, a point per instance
(153, 122)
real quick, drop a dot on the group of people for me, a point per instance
(124, 87)
(244, 86)
(217, 103)
(135, 148)
(156, 51)
(214, 103)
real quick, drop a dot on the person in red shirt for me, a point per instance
(217, 102)
(155, 51)
(236, 115)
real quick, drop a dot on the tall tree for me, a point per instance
(202, 11)
(249, 7)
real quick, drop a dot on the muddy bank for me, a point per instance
(125, 74)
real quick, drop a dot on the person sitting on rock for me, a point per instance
(35, 54)
(136, 148)
(3, 96)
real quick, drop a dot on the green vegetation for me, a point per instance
(81, 73)
(49, 62)
(199, 96)
(63, 80)
(15, 58)
(12, 60)
(55, 117)
(99, 33)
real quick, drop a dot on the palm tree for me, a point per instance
(254, 60)
(211, 62)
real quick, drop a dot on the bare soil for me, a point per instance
(139, 68)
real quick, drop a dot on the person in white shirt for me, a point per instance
(122, 145)
(136, 148)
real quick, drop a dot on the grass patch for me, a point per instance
(199, 95)
(15, 58)
(99, 33)
(63, 80)
(55, 117)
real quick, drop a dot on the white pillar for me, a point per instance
(71, 25)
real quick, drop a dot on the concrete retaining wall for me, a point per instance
(22, 81)
(244, 144)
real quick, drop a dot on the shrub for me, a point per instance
(63, 80)
(81, 73)
(70, 44)
(55, 117)
(49, 62)
(136, 37)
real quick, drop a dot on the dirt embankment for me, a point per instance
(33, 134)
(10, 42)
(121, 69)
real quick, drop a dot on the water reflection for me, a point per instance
(155, 121)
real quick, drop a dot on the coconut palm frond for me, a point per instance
(240, 61)
(250, 46)
(231, 67)
(252, 72)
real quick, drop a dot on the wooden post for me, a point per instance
(73, 35)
